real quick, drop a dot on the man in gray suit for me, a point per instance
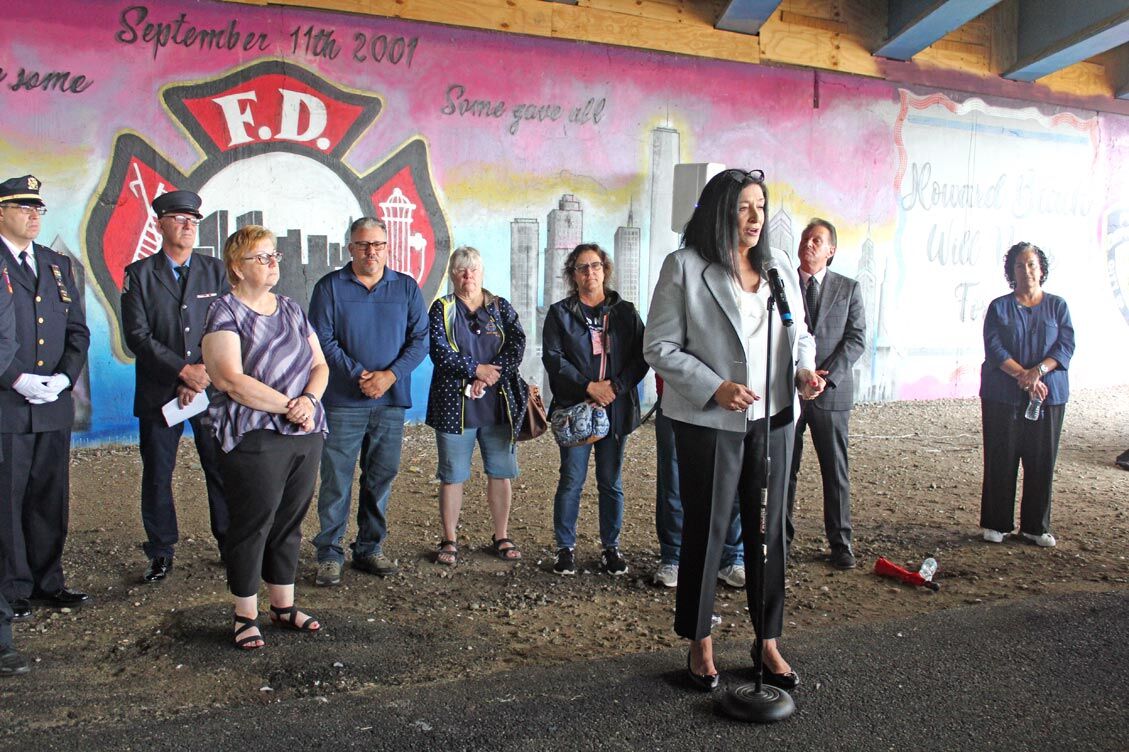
(834, 315)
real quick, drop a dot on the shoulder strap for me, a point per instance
(604, 349)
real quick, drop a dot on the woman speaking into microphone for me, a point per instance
(707, 336)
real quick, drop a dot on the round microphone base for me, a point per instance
(745, 703)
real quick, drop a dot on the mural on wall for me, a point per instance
(303, 120)
(274, 137)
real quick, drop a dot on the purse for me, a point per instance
(535, 421)
(584, 423)
(580, 424)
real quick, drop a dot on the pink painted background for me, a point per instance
(839, 160)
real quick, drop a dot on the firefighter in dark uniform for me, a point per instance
(36, 408)
(165, 298)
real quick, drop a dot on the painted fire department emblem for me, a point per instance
(274, 136)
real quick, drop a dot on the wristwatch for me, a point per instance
(1043, 369)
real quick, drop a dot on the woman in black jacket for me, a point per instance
(593, 351)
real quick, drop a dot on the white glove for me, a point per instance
(35, 389)
(58, 382)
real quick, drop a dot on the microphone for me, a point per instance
(777, 284)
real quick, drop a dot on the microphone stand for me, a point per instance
(758, 702)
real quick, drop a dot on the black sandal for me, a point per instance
(453, 554)
(244, 643)
(288, 618)
(511, 553)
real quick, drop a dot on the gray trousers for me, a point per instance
(829, 431)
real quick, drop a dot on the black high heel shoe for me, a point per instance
(704, 682)
(785, 681)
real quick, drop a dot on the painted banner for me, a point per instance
(304, 120)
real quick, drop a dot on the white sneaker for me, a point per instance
(994, 536)
(1046, 539)
(732, 575)
(667, 575)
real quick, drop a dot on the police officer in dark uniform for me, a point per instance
(36, 408)
(11, 662)
(165, 298)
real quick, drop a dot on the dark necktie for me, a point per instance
(811, 297)
(182, 274)
(27, 264)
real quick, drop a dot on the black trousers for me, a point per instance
(34, 509)
(1010, 440)
(158, 444)
(829, 432)
(716, 468)
(269, 479)
(5, 624)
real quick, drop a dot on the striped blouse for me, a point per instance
(276, 351)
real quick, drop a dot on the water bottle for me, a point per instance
(1034, 407)
(928, 569)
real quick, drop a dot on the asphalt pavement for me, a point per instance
(1046, 673)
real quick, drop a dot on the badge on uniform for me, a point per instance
(64, 293)
(206, 295)
(7, 282)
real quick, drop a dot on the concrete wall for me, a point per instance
(305, 119)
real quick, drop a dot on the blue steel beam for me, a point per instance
(1054, 35)
(746, 16)
(913, 25)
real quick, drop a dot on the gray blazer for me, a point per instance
(693, 338)
(840, 336)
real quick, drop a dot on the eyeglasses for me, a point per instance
(473, 324)
(592, 267)
(28, 210)
(265, 258)
(364, 246)
(182, 220)
(741, 176)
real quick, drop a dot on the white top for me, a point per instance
(753, 312)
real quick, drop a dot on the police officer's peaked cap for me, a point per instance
(23, 190)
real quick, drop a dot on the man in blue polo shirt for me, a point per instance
(372, 324)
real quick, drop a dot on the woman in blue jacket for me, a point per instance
(1028, 344)
(476, 395)
(592, 348)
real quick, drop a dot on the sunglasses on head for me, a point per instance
(742, 176)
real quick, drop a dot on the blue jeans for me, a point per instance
(668, 503)
(609, 484)
(375, 434)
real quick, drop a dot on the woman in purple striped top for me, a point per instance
(265, 360)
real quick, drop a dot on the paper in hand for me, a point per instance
(174, 413)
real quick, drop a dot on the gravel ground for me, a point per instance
(164, 650)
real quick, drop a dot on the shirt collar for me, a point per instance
(388, 276)
(819, 277)
(17, 251)
(173, 265)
